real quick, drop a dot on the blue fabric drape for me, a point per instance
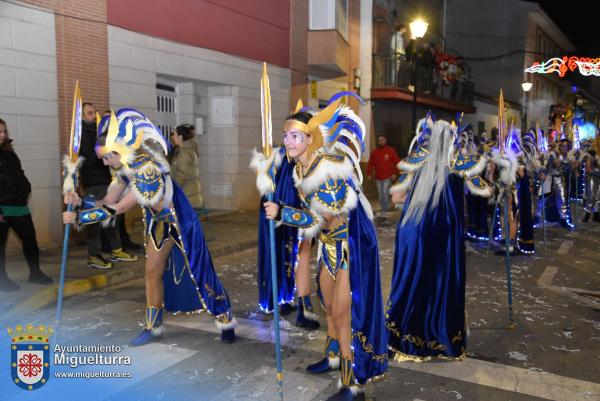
(526, 243)
(368, 324)
(286, 242)
(477, 211)
(190, 281)
(426, 309)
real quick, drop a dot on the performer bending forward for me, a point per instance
(180, 276)
(335, 211)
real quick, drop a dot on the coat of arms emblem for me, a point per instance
(30, 355)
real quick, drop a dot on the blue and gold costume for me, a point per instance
(329, 187)
(279, 168)
(334, 211)
(425, 314)
(190, 281)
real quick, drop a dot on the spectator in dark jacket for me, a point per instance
(14, 213)
(95, 178)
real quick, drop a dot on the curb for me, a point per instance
(81, 286)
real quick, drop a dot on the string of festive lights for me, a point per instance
(585, 65)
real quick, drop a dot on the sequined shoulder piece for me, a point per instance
(147, 179)
(468, 165)
(414, 160)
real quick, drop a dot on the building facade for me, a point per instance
(507, 37)
(193, 61)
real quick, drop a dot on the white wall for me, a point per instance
(29, 105)
(134, 62)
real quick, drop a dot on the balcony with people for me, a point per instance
(442, 77)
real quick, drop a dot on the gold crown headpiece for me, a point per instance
(326, 117)
(122, 143)
(30, 333)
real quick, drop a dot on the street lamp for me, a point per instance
(526, 88)
(417, 29)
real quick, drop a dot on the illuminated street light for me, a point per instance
(417, 28)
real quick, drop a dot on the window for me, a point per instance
(166, 107)
(329, 15)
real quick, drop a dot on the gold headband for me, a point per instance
(297, 125)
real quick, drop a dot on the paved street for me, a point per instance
(553, 353)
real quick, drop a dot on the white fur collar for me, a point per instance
(326, 169)
(261, 166)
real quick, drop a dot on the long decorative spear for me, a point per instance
(267, 145)
(71, 164)
(507, 264)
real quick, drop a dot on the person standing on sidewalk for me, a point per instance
(95, 177)
(384, 160)
(184, 165)
(14, 213)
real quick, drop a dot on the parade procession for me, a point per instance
(299, 200)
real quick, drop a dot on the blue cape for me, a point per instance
(426, 309)
(286, 242)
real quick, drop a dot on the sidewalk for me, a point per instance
(226, 233)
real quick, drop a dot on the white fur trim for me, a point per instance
(334, 363)
(409, 168)
(356, 390)
(158, 331)
(311, 315)
(327, 169)
(226, 326)
(168, 197)
(402, 186)
(350, 204)
(261, 166)
(483, 192)
(508, 168)
(479, 167)
(311, 232)
(71, 171)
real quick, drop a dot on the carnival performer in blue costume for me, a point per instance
(525, 188)
(426, 310)
(477, 205)
(180, 276)
(592, 181)
(292, 254)
(327, 148)
(557, 168)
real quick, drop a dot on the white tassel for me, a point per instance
(71, 172)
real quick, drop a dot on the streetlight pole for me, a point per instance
(417, 28)
(526, 88)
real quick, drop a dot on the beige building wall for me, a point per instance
(222, 89)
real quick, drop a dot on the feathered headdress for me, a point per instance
(127, 130)
(335, 127)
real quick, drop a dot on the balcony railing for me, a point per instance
(394, 70)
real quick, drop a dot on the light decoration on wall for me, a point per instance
(587, 66)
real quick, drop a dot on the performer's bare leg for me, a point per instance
(340, 312)
(303, 269)
(156, 261)
(327, 286)
(331, 361)
(306, 318)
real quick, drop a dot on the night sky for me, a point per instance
(578, 20)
